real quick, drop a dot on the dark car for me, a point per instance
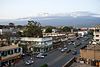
(74, 52)
(44, 54)
(68, 50)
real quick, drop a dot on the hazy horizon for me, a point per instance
(12, 9)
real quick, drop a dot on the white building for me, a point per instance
(38, 44)
(97, 34)
(5, 30)
(53, 34)
(2, 31)
(82, 33)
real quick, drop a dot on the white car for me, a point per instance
(29, 62)
(62, 50)
(65, 48)
(40, 56)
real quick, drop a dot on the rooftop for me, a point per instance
(80, 65)
(35, 39)
(92, 47)
(8, 47)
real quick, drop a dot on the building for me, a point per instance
(71, 35)
(53, 30)
(59, 39)
(75, 64)
(4, 30)
(36, 44)
(3, 42)
(82, 33)
(90, 55)
(8, 30)
(9, 55)
(97, 34)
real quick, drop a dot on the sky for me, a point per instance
(11, 9)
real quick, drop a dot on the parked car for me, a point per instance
(74, 52)
(62, 50)
(68, 50)
(65, 48)
(44, 54)
(40, 55)
(29, 62)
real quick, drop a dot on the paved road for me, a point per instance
(55, 58)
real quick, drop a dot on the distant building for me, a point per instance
(53, 30)
(9, 55)
(91, 28)
(2, 31)
(83, 29)
(71, 35)
(37, 44)
(52, 34)
(97, 34)
(3, 42)
(90, 55)
(8, 30)
(82, 33)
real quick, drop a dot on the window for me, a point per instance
(17, 50)
(97, 30)
(0, 63)
(0, 53)
(4, 53)
(97, 39)
(97, 35)
(10, 52)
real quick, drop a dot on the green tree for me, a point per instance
(44, 65)
(33, 29)
(19, 34)
(11, 25)
(66, 29)
(48, 30)
(76, 34)
(90, 32)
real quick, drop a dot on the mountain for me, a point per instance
(78, 19)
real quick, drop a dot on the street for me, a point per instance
(56, 58)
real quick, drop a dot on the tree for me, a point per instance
(44, 65)
(66, 29)
(11, 25)
(33, 29)
(90, 32)
(76, 34)
(19, 34)
(48, 30)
